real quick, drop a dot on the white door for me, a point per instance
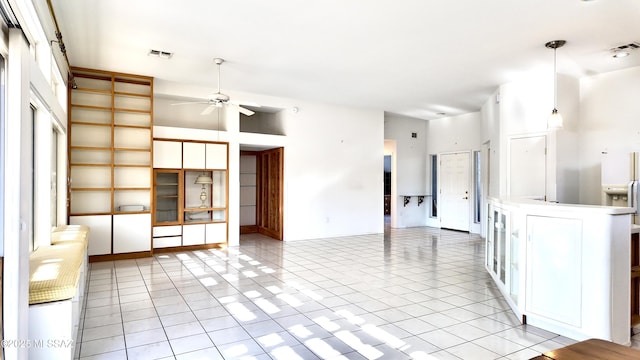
(527, 167)
(454, 191)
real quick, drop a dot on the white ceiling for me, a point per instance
(410, 57)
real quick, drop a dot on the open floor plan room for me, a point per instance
(416, 293)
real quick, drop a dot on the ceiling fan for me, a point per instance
(219, 99)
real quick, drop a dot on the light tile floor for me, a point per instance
(418, 293)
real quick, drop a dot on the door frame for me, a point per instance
(264, 188)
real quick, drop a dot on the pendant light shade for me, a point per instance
(555, 119)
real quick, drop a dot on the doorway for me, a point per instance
(455, 203)
(261, 192)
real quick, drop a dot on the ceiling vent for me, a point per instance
(160, 54)
(624, 50)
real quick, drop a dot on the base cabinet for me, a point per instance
(131, 233)
(216, 233)
(554, 267)
(193, 234)
(563, 268)
(100, 236)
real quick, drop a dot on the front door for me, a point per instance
(454, 191)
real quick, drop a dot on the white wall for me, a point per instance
(411, 169)
(333, 167)
(333, 162)
(457, 133)
(609, 121)
(524, 107)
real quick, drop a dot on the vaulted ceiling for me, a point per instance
(411, 57)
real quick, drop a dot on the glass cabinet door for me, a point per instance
(502, 240)
(167, 185)
(514, 274)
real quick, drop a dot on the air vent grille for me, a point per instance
(627, 47)
(160, 54)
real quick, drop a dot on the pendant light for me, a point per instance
(554, 120)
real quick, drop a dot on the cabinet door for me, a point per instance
(216, 156)
(131, 233)
(488, 261)
(554, 268)
(216, 233)
(193, 234)
(99, 232)
(193, 156)
(167, 154)
(167, 192)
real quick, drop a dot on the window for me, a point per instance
(29, 181)
(54, 177)
(2, 146)
(477, 200)
(434, 185)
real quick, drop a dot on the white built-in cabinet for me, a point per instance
(554, 266)
(110, 159)
(503, 253)
(180, 215)
(561, 267)
(100, 232)
(167, 154)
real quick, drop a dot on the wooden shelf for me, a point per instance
(123, 93)
(132, 126)
(131, 165)
(98, 148)
(131, 212)
(110, 157)
(95, 91)
(91, 107)
(89, 213)
(204, 209)
(132, 149)
(91, 165)
(90, 123)
(131, 110)
(90, 189)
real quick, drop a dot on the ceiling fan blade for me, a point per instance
(208, 110)
(245, 111)
(247, 103)
(191, 102)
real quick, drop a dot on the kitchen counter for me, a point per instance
(562, 267)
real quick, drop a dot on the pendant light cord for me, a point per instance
(555, 80)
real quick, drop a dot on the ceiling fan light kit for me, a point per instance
(218, 99)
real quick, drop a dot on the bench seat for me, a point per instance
(54, 271)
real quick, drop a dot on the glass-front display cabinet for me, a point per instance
(168, 197)
(205, 196)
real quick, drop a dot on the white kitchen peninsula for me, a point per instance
(561, 267)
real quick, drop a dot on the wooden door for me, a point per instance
(454, 191)
(269, 214)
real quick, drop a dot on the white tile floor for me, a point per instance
(417, 293)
